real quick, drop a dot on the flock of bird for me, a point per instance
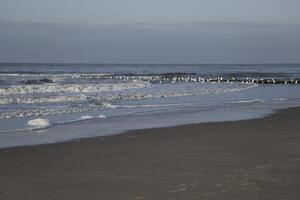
(174, 79)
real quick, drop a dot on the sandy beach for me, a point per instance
(251, 159)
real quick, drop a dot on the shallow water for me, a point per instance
(93, 100)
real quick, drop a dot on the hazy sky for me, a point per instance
(150, 31)
(97, 12)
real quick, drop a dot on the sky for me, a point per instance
(156, 31)
(99, 12)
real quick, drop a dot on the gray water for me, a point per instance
(46, 103)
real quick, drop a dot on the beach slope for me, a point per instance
(251, 159)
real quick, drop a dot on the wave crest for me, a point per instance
(70, 88)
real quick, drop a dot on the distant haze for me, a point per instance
(100, 12)
(140, 31)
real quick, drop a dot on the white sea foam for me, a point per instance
(71, 88)
(247, 101)
(108, 105)
(110, 97)
(280, 99)
(155, 105)
(75, 75)
(108, 100)
(49, 99)
(85, 117)
(39, 122)
(101, 116)
(93, 102)
(55, 111)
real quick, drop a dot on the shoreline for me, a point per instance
(246, 159)
(79, 139)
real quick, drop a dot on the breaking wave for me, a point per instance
(70, 88)
(169, 92)
(110, 100)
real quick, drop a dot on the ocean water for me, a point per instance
(47, 103)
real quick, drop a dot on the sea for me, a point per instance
(49, 103)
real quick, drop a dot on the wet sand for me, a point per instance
(251, 159)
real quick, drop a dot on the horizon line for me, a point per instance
(93, 63)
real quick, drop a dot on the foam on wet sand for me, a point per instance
(39, 122)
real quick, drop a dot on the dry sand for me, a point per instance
(252, 159)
